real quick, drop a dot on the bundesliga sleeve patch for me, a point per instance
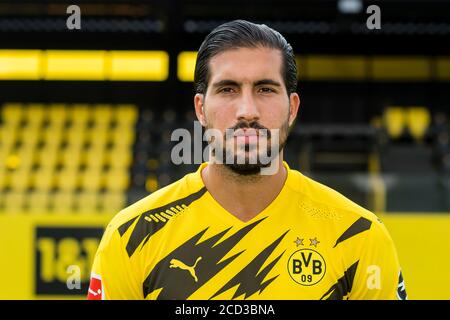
(95, 291)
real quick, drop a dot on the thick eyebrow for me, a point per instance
(267, 81)
(227, 82)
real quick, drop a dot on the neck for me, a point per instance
(241, 195)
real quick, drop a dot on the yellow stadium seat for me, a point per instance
(102, 114)
(151, 184)
(112, 202)
(8, 135)
(80, 114)
(75, 135)
(71, 157)
(394, 120)
(57, 114)
(418, 120)
(30, 135)
(35, 114)
(20, 180)
(87, 203)
(44, 179)
(52, 136)
(62, 202)
(67, 180)
(91, 180)
(98, 136)
(94, 158)
(14, 202)
(12, 161)
(123, 136)
(38, 202)
(4, 153)
(27, 156)
(119, 157)
(4, 178)
(126, 114)
(47, 157)
(12, 113)
(117, 180)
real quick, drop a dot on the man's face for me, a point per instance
(245, 94)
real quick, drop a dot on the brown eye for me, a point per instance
(226, 90)
(266, 90)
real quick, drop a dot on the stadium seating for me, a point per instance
(65, 158)
(394, 120)
(418, 119)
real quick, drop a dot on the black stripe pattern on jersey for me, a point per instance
(193, 264)
(154, 220)
(123, 228)
(343, 286)
(360, 225)
(248, 279)
(401, 290)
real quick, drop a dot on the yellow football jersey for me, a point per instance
(310, 243)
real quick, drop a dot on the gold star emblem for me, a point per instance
(314, 242)
(299, 242)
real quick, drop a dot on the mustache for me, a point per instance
(250, 125)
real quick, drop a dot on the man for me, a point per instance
(228, 231)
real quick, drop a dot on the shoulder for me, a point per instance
(328, 202)
(174, 196)
(339, 215)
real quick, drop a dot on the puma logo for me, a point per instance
(174, 263)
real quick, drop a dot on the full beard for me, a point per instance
(252, 168)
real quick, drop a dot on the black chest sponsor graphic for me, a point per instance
(63, 259)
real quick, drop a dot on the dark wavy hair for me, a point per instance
(243, 34)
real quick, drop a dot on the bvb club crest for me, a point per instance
(306, 267)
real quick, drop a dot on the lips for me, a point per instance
(249, 136)
(246, 132)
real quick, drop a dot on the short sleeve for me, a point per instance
(112, 276)
(378, 274)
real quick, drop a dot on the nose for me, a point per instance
(247, 108)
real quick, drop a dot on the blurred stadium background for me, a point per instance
(86, 117)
